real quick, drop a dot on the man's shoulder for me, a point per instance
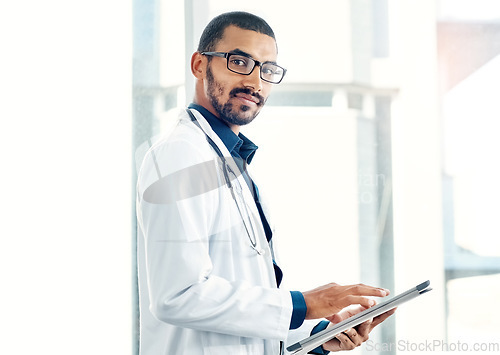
(181, 150)
(184, 133)
(186, 144)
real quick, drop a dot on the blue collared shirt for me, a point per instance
(243, 150)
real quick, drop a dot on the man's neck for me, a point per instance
(235, 128)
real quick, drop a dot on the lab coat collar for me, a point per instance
(238, 145)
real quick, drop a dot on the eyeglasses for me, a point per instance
(244, 65)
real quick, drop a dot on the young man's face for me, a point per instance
(237, 98)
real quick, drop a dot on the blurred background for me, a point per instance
(384, 127)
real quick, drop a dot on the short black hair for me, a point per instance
(214, 31)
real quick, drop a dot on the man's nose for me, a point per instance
(253, 80)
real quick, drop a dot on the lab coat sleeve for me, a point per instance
(182, 289)
(302, 333)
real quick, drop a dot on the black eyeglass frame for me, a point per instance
(256, 63)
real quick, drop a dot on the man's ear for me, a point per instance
(198, 65)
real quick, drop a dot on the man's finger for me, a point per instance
(344, 314)
(362, 301)
(364, 290)
(345, 342)
(356, 339)
(379, 319)
(365, 328)
(329, 299)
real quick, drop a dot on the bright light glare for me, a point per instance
(471, 130)
(470, 10)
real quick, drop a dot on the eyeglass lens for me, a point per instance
(244, 65)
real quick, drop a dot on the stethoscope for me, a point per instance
(227, 171)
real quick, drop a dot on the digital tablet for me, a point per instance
(312, 342)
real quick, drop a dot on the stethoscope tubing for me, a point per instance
(226, 169)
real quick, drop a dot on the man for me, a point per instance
(208, 277)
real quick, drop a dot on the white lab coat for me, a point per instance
(203, 289)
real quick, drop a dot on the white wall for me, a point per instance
(306, 165)
(65, 139)
(328, 41)
(416, 147)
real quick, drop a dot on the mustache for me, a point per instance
(247, 91)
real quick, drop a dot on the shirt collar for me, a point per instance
(238, 145)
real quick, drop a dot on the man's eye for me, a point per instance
(239, 62)
(271, 70)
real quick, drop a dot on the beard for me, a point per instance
(226, 111)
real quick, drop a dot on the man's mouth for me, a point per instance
(247, 96)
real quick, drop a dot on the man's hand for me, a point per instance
(356, 336)
(327, 300)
